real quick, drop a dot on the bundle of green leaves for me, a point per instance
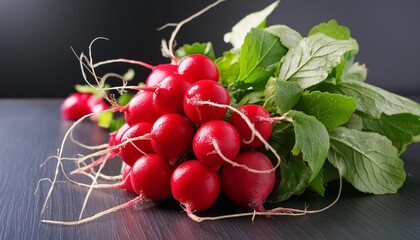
(336, 123)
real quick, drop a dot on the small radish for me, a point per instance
(160, 72)
(132, 150)
(127, 179)
(151, 177)
(140, 109)
(75, 106)
(196, 67)
(261, 120)
(169, 95)
(217, 132)
(116, 137)
(205, 90)
(96, 105)
(244, 188)
(171, 135)
(195, 185)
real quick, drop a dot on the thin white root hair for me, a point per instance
(100, 81)
(55, 157)
(280, 211)
(253, 214)
(82, 159)
(42, 180)
(108, 177)
(251, 126)
(180, 24)
(82, 65)
(166, 26)
(102, 176)
(59, 163)
(331, 204)
(98, 215)
(39, 182)
(90, 175)
(122, 60)
(91, 59)
(90, 189)
(104, 152)
(89, 147)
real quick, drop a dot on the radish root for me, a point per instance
(280, 211)
(130, 203)
(167, 48)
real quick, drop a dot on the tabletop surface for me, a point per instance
(31, 130)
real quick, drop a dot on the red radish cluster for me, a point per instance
(78, 105)
(179, 142)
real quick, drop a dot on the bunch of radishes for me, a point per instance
(183, 139)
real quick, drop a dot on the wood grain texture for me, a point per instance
(31, 130)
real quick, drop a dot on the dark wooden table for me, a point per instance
(31, 130)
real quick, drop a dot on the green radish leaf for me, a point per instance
(288, 37)
(373, 100)
(331, 29)
(129, 75)
(287, 95)
(329, 172)
(367, 160)
(311, 139)
(355, 122)
(85, 89)
(356, 72)
(295, 173)
(283, 137)
(125, 98)
(116, 123)
(318, 184)
(310, 62)
(332, 110)
(240, 30)
(255, 97)
(105, 119)
(200, 48)
(346, 62)
(399, 128)
(228, 66)
(334, 30)
(260, 58)
(295, 177)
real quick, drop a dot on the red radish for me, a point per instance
(205, 90)
(116, 137)
(169, 95)
(172, 135)
(140, 109)
(217, 132)
(245, 188)
(151, 177)
(132, 150)
(96, 105)
(259, 117)
(75, 106)
(160, 72)
(127, 179)
(195, 185)
(196, 67)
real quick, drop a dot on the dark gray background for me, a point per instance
(36, 36)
